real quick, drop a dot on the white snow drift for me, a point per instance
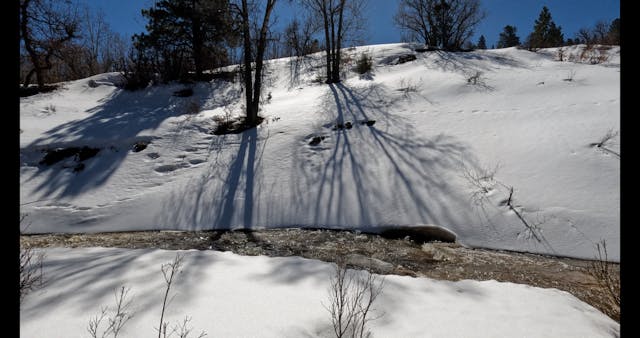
(227, 295)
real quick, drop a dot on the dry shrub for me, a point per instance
(607, 279)
(122, 314)
(31, 273)
(351, 296)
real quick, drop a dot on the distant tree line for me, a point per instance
(62, 40)
(602, 33)
(185, 39)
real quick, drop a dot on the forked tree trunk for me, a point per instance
(338, 43)
(28, 45)
(327, 47)
(248, 85)
(253, 90)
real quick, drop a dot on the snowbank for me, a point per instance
(227, 295)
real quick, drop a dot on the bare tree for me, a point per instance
(351, 298)
(446, 24)
(298, 37)
(121, 313)
(112, 58)
(169, 271)
(339, 19)
(416, 18)
(94, 48)
(115, 322)
(31, 274)
(103, 47)
(253, 56)
(95, 32)
(600, 33)
(584, 36)
(46, 26)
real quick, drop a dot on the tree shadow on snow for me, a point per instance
(224, 196)
(352, 179)
(114, 126)
(467, 62)
(379, 167)
(89, 282)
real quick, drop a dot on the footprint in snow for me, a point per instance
(170, 167)
(196, 161)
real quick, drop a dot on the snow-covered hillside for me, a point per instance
(443, 150)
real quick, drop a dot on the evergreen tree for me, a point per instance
(482, 43)
(555, 37)
(614, 32)
(545, 32)
(187, 35)
(508, 37)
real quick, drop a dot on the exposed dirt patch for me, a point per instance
(33, 90)
(80, 154)
(316, 140)
(234, 126)
(438, 260)
(186, 92)
(406, 58)
(140, 146)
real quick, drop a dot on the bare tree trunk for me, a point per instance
(248, 85)
(28, 44)
(262, 44)
(197, 41)
(328, 47)
(58, 28)
(252, 89)
(333, 42)
(27, 79)
(338, 43)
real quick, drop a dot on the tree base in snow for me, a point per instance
(235, 126)
(33, 90)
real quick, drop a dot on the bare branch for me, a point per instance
(169, 270)
(351, 297)
(115, 322)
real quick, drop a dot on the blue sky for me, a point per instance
(124, 16)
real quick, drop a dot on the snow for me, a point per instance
(227, 295)
(523, 117)
(523, 125)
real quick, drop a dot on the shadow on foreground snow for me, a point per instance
(93, 278)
